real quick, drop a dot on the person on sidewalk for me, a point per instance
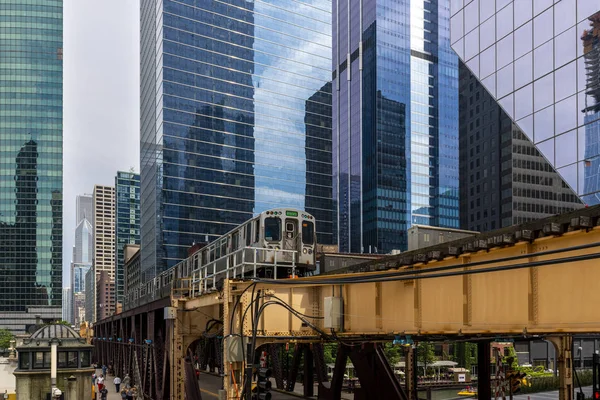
(117, 383)
(100, 382)
(130, 394)
(103, 393)
(124, 394)
(104, 368)
(127, 381)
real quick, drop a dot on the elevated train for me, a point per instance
(285, 237)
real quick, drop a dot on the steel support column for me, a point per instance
(564, 359)
(484, 387)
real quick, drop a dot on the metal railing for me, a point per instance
(197, 280)
(241, 263)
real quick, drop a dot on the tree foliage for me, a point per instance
(393, 353)
(5, 337)
(426, 353)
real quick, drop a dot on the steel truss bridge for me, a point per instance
(533, 280)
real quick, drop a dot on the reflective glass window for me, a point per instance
(565, 113)
(581, 74)
(85, 358)
(544, 124)
(524, 70)
(308, 229)
(542, 60)
(524, 102)
(486, 10)
(507, 104)
(542, 28)
(455, 6)
(73, 359)
(24, 360)
(564, 15)
(505, 81)
(490, 84)
(565, 46)
(543, 92)
(541, 5)
(471, 16)
(585, 8)
(273, 229)
(566, 149)
(472, 44)
(547, 149)
(500, 4)
(456, 27)
(504, 21)
(62, 359)
(523, 39)
(523, 12)
(569, 174)
(487, 62)
(473, 64)
(488, 33)
(527, 127)
(505, 51)
(565, 81)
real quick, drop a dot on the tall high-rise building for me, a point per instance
(505, 179)
(83, 250)
(127, 224)
(395, 121)
(67, 305)
(90, 295)
(104, 246)
(540, 62)
(228, 96)
(31, 41)
(83, 208)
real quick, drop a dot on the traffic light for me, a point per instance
(516, 378)
(262, 390)
(596, 395)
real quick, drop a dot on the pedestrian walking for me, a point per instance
(124, 394)
(100, 382)
(94, 378)
(117, 383)
(129, 394)
(104, 368)
(104, 393)
(127, 381)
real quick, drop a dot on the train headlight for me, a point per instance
(304, 251)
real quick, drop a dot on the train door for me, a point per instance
(290, 237)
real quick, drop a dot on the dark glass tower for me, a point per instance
(127, 222)
(31, 156)
(395, 121)
(232, 94)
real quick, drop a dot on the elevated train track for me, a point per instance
(535, 279)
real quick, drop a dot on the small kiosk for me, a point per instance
(54, 363)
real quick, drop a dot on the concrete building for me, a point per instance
(395, 121)
(78, 308)
(74, 364)
(104, 229)
(105, 295)
(421, 236)
(133, 272)
(31, 177)
(127, 224)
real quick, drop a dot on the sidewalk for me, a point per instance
(110, 386)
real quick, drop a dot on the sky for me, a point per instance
(100, 101)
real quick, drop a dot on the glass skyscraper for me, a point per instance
(395, 121)
(235, 118)
(31, 37)
(127, 222)
(541, 61)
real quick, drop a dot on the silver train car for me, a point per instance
(278, 243)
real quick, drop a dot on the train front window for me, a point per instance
(273, 229)
(308, 232)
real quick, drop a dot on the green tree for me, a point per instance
(393, 353)
(5, 337)
(426, 354)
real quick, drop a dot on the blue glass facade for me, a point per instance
(395, 121)
(30, 162)
(235, 118)
(127, 222)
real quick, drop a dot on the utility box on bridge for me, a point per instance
(333, 313)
